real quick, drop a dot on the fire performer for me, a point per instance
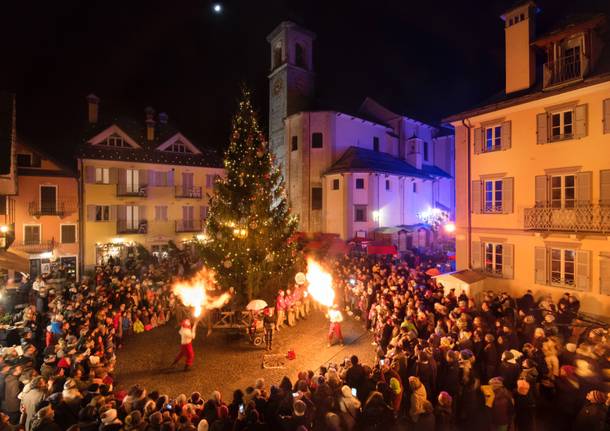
(187, 335)
(335, 317)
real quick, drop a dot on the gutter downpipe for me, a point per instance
(469, 192)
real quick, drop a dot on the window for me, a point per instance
(24, 160)
(115, 140)
(336, 184)
(387, 184)
(359, 212)
(102, 213)
(203, 212)
(562, 125)
(31, 233)
(359, 183)
(376, 143)
(178, 147)
(414, 188)
(493, 258)
(562, 267)
(563, 191)
(317, 140)
(161, 213)
(161, 179)
(493, 196)
(68, 233)
(299, 55)
(493, 138)
(132, 219)
(132, 181)
(3, 204)
(102, 175)
(316, 198)
(425, 151)
(209, 180)
(294, 143)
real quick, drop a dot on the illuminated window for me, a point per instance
(493, 196)
(562, 267)
(493, 258)
(102, 175)
(178, 147)
(115, 140)
(493, 138)
(563, 191)
(562, 125)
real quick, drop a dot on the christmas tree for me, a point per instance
(249, 223)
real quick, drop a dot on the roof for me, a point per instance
(357, 159)
(466, 275)
(435, 171)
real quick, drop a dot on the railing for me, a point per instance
(565, 69)
(131, 226)
(188, 192)
(37, 209)
(130, 190)
(32, 246)
(590, 218)
(188, 225)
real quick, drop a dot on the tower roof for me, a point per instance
(289, 25)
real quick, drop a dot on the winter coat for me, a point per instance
(418, 398)
(29, 401)
(502, 409)
(510, 373)
(443, 418)
(45, 424)
(426, 422)
(525, 411)
(376, 416)
(592, 417)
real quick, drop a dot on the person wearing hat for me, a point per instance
(592, 416)
(335, 317)
(298, 417)
(110, 421)
(509, 370)
(187, 335)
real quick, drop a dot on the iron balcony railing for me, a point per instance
(188, 192)
(565, 69)
(61, 208)
(588, 218)
(188, 225)
(131, 190)
(34, 246)
(131, 226)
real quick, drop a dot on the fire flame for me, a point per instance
(320, 283)
(193, 292)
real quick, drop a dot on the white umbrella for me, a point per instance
(256, 305)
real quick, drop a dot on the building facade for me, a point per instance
(141, 183)
(375, 172)
(533, 166)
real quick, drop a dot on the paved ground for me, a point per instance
(226, 363)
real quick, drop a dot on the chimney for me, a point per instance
(519, 26)
(150, 123)
(163, 118)
(92, 108)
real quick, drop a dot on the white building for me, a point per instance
(354, 175)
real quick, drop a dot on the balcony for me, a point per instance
(188, 226)
(184, 192)
(126, 190)
(32, 246)
(590, 218)
(565, 69)
(62, 208)
(131, 226)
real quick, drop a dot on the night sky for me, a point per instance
(426, 59)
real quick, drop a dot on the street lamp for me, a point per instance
(4, 228)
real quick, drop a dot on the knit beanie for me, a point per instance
(444, 399)
(203, 425)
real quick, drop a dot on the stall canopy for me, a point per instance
(470, 282)
(9, 260)
(381, 249)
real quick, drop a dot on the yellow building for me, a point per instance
(533, 166)
(143, 183)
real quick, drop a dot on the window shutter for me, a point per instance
(152, 178)
(505, 135)
(507, 195)
(583, 269)
(90, 174)
(170, 178)
(607, 116)
(121, 211)
(580, 121)
(203, 212)
(508, 265)
(476, 197)
(583, 188)
(542, 183)
(604, 273)
(113, 175)
(142, 212)
(143, 176)
(91, 212)
(540, 262)
(478, 140)
(113, 211)
(604, 187)
(475, 254)
(542, 129)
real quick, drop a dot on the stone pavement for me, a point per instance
(226, 362)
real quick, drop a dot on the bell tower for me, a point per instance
(291, 81)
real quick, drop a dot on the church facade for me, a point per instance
(372, 173)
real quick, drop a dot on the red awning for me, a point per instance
(381, 249)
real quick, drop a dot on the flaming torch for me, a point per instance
(320, 284)
(193, 292)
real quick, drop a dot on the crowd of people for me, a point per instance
(443, 360)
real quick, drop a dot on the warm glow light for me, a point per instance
(376, 215)
(320, 284)
(450, 228)
(46, 255)
(193, 292)
(201, 237)
(117, 240)
(4, 228)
